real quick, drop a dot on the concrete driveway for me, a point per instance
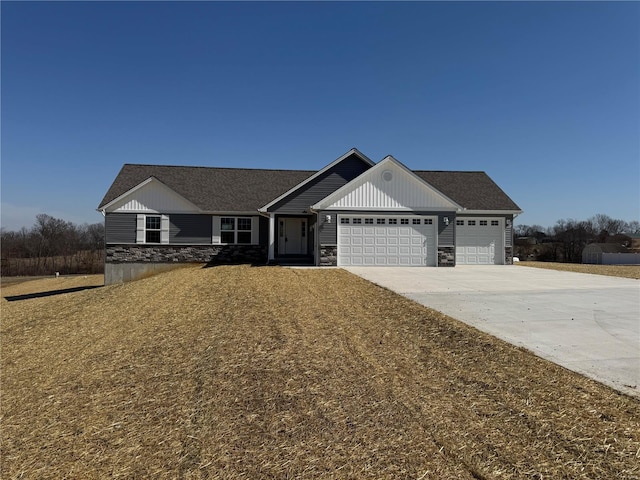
(587, 323)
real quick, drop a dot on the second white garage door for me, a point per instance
(479, 241)
(387, 241)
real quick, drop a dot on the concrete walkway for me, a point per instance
(587, 323)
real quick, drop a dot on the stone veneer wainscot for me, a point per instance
(254, 254)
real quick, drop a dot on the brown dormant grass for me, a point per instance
(241, 372)
(626, 271)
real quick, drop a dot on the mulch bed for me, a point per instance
(268, 372)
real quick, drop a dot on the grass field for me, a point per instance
(241, 372)
(626, 271)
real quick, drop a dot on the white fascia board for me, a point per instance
(317, 174)
(141, 185)
(389, 209)
(488, 212)
(325, 203)
(126, 194)
(251, 213)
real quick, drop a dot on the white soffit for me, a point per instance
(389, 185)
(151, 196)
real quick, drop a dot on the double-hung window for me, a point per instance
(235, 230)
(152, 229)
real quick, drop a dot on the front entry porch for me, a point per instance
(293, 241)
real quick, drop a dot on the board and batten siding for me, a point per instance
(190, 229)
(120, 228)
(298, 202)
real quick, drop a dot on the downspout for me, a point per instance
(316, 238)
(271, 254)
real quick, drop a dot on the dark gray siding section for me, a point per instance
(190, 228)
(328, 231)
(263, 225)
(446, 232)
(320, 187)
(508, 234)
(120, 228)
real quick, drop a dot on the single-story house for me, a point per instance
(351, 212)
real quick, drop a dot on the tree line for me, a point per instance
(565, 240)
(53, 245)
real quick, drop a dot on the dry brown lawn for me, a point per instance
(241, 372)
(626, 271)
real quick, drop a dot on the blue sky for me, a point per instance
(543, 96)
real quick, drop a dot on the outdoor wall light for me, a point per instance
(446, 220)
(328, 218)
(508, 222)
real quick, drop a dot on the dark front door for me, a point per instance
(292, 236)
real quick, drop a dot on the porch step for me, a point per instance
(294, 260)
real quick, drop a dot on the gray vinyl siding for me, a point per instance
(120, 228)
(299, 201)
(263, 234)
(328, 232)
(508, 233)
(190, 229)
(446, 233)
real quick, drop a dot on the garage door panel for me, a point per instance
(387, 244)
(478, 242)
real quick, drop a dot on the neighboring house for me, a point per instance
(352, 212)
(609, 254)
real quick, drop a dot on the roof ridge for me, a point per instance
(217, 168)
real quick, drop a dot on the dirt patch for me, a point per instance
(240, 372)
(625, 271)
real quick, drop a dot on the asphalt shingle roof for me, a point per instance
(472, 190)
(212, 189)
(244, 190)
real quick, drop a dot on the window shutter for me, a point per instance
(164, 229)
(255, 230)
(215, 235)
(140, 228)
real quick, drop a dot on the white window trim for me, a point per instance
(141, 228)
(217, 230)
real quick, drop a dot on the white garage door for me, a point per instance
(387, 241)
(479, 241)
